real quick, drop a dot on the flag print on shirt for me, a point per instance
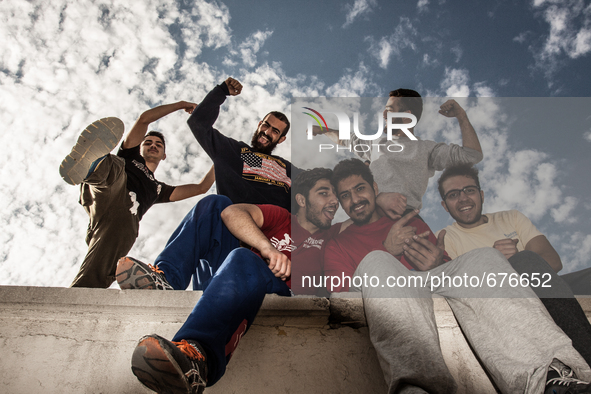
(264, 168)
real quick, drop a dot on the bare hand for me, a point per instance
(187, 106)
(506, 246)
(278, 262)
(234, 87)
(393, 204)
(452, 109)
(421, 253)
(399, 234)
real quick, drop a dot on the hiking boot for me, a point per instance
(170, 367)
(94, 143)
(562, 380)
(133, 274)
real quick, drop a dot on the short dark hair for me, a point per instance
(281, 116)
(412, 101)
(349, 167)
(156, 134)
(304, 182)
(457, 170)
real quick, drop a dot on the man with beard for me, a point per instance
(246, 174)
(203, 346)
(507, 327)
(403, 174)
(528, 250)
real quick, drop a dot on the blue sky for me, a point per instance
(65, 64)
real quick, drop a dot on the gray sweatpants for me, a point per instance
(508, 327)
(113, 229)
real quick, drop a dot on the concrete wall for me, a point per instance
(58, 340)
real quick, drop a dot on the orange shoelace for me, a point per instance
(155, 269)
(189, 350)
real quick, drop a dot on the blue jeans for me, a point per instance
(198, 246)
(228, 307)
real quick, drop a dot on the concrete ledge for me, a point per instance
(59, 340)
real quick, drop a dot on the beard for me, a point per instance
(313, 216)
(360, 221)
(258, 147)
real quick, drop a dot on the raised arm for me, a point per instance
(452, 109)
(193, 189)
(140, 128)
(244, 222)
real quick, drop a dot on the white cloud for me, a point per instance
(574, 249)
(569, 35)
(458, 51)
(587, 136)
(521, 37)
(387, 46)
(455, 82)
(357, 9)
(423, 6)
(354, 84)
(248, 49)
(564, 212)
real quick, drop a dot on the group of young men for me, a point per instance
(284, 214)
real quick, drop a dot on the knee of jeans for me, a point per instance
(215, 200)
(243, 260)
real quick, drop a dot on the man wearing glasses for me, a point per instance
(528, 250)
(245, 174)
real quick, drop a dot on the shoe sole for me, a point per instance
(96, 141)
(132, 274)
(156, 369)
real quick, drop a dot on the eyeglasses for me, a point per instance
(453, 195)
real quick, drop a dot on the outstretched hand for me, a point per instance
(234, 87)
(399, 234)
(420, 252)
(187, 106)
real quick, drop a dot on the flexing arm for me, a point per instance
(244, 222)
(140, 128)
(544, 249)
(205, 115)
(452, 109)
(193, 189)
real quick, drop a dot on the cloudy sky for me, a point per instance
(65, 64)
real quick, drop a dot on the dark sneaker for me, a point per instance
(96, 141)
(133, 274)
(170, 367)
(562, 380)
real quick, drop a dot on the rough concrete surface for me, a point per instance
(58, 340)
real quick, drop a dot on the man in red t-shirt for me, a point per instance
(497, 321)
(199, 352)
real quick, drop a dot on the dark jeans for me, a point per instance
(228, 306)
(198, 246)
(234, 281)
(558, 300)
